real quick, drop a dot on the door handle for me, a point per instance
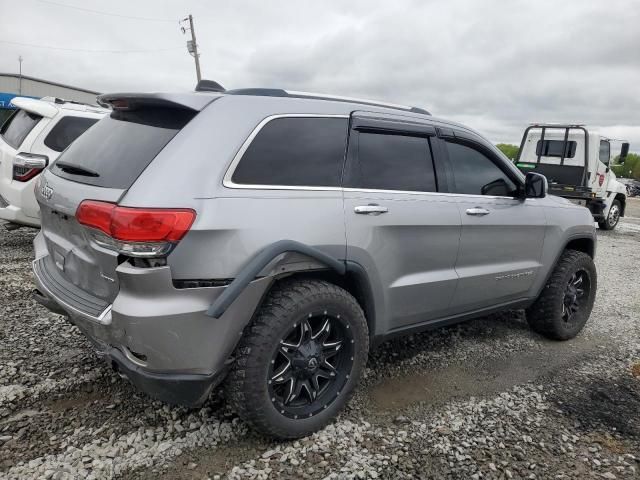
(477, 211)
(370, 209)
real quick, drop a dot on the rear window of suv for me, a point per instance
(66, 131)
(295, 151)
(18, 126)
(119, 147)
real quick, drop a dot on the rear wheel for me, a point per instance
(564, 306)
(613, 216)
(300, 360)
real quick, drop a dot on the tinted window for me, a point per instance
(553, 148)
(605, 151)
(295, 151)
(66, 131)
(16, 128)
(475, 174)
(393, 162)
(119, 147)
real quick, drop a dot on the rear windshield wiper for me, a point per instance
(76, 170)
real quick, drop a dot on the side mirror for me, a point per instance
(535, 185)
(624, 151)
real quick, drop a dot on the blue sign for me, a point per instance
(5, 100)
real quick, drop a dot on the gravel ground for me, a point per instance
(485, 399)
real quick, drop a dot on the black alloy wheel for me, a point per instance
(577, 290)
(563, 307)
(311, 364)
(300, 359)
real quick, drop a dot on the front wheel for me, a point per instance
(300, 360)
(613, 216)
(564, 306)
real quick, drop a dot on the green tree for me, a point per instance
(631, 164)
(509, 150)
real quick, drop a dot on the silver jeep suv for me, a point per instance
(273, 237)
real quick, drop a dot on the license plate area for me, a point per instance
(578, 201)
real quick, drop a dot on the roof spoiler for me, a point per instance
(34, 105)
(134, 101)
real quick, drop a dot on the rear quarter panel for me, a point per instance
(234, 224)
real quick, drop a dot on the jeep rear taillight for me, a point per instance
(28, 165)
(141, 232)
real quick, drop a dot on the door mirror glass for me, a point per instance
(535, 185)
(624, 151)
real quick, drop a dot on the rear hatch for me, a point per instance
(101, 165)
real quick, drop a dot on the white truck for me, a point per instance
(576, 161)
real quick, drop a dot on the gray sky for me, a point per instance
(493, 65)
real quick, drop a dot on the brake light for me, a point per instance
(28, 165)
(136, 231)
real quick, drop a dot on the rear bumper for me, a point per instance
(18, 202)
(14, 214)
(177, 389)
(157, 336)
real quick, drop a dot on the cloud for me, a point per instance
(493, 65)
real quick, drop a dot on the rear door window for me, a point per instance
(392, 162)
(119, 147)
(295, 151)
(18, 126)
(66, 131)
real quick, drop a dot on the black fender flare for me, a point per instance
(261, 260)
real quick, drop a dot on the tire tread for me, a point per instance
(246, 397)
(542, 316)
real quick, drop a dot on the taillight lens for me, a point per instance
(28, 165)
(136, 231)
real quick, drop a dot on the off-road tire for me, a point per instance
(247, 386)
(612, 219)
(545, 316)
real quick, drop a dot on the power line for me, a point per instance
(31, 45)
(109, 14)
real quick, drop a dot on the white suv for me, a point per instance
(30, 139)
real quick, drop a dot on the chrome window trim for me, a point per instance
(228, 183)
(413, 192)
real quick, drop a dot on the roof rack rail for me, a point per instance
(278, 92)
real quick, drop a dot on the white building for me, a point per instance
(14, 85)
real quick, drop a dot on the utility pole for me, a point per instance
(20, 76)
(192, 46)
